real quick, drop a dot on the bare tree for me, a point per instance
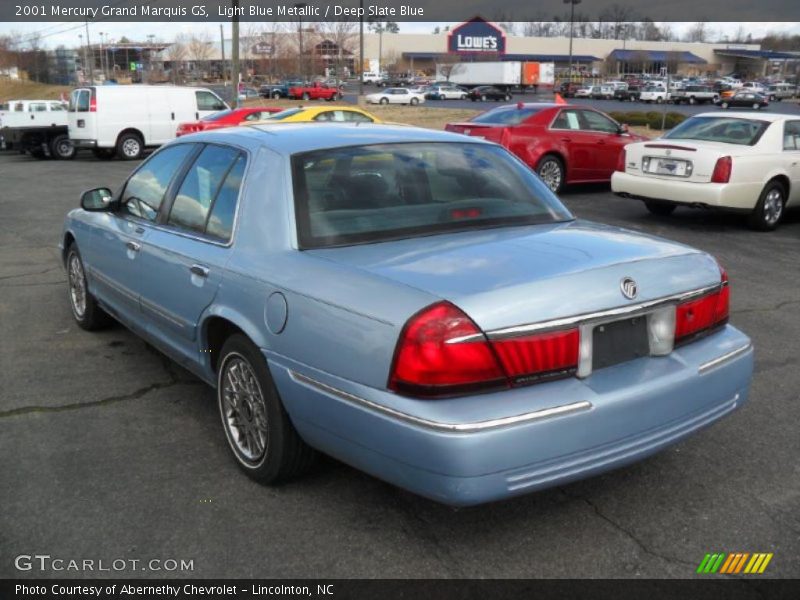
(343, 34)
(176, 54)
(448, 65)
(200, 49)
(697, 33)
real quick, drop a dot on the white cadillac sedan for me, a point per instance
(736, 161)
(397, 95)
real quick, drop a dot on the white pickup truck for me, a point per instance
(38, 127)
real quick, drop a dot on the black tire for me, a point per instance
(276, 95)
(384, 100)
(130, 146)
(414, 101)
(306, 96)
(284, 455)
(764, 217)
(483, 97)
(93, 317)
(551, 164)
(62, 148)
(662, 209)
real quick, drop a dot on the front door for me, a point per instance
(186, 252)
(579, 146)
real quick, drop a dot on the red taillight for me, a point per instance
(722, 170)
(696, 316)
(621, 161)
(430, 360)
(442, 352)
(539, 355)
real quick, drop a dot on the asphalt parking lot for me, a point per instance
(112, 451)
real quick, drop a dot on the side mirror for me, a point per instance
(623, 128)
(97, 199)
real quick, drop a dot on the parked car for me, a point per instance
(227, 118)
(315, 91)
(447, 92)
(563, 143)
(125, 119)
(371, 77)
(754, 86)
(307, 114)
(394, 297)
(248, 94)
(781, 91)
(482, 93)
(733, 161)
(629, 94)
(396, 95)
(278, 90)
(601, 92)
(695, 94)
(744, 99)
(583, 92)
(654, 93)
(567, 89)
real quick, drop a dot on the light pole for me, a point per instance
(572, 4)
(300, 6)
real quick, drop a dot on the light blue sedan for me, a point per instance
(414, 303)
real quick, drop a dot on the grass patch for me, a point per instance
(12, 89)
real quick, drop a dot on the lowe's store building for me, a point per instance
(481, 40)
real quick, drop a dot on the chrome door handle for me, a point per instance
(132, 246)
(199, 270)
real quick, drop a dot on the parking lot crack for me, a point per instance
(135, 395)
(30, 274)
(628, 533)
(758, 309)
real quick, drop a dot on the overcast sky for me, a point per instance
(56, 34)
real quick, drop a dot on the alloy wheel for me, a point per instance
(244, 409)
(131, 148)
(550, 174)
(773, 207)
(77, 286)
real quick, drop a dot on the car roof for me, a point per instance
(293, 138)
(758, 116)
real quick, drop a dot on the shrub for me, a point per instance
(651, 118)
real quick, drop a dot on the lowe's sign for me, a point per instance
(476, 35)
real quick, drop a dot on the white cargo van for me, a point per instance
(124, 119)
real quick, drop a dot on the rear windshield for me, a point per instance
(506, 115)
(743, 132)
(380, 192)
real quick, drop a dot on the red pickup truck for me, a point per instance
(315, 91)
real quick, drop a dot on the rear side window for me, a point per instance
(506, 115)
(145, 190)
(199, 188)
(220, 222)
(791, 135)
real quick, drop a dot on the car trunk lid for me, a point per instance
(681, 160)
(513, 276)
(486, 131)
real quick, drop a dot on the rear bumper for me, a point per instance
(482, 448)
(731, 196)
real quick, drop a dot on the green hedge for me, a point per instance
(651, 118)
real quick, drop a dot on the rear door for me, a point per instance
(185, 254)
(82, 120)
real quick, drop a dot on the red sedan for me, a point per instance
(227, 118)
(563, 143)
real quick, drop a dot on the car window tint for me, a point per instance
(377, 192)
(354, 117)
(567, 119)
(145, 190)
(37, 107)
(199, 188)
(220, 222)
(594, 121)
(208, 101)
(791, 135)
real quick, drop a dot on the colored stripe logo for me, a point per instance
(735, 563)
